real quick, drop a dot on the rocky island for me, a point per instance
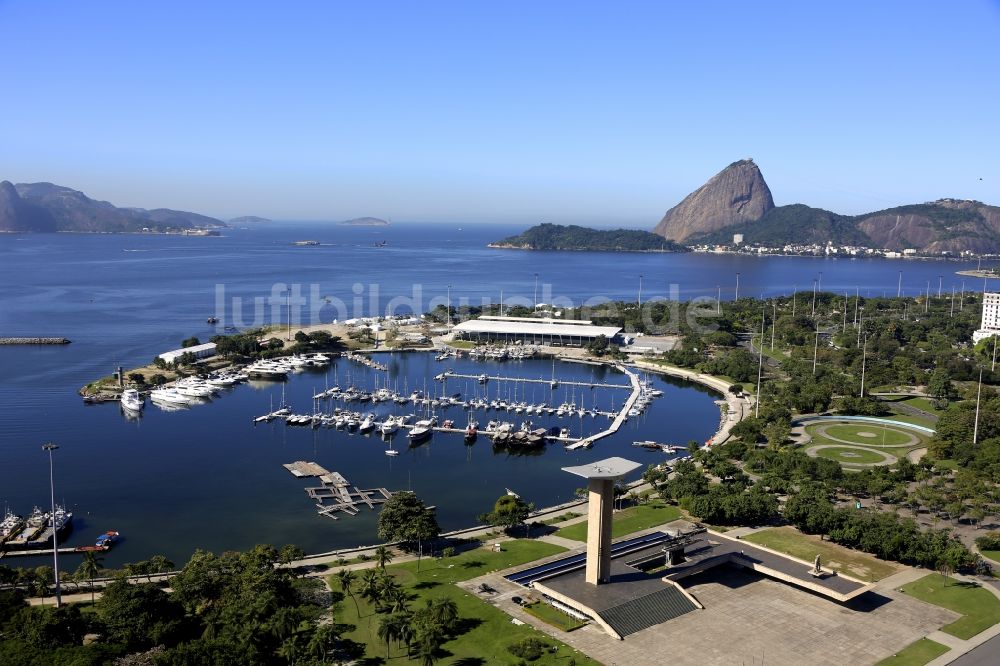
(572, 237)
(364, 222)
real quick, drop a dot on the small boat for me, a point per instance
(368, 424)
(471, 431)
(212, 320)
(483, 378)
(511, 493)
(132, 401)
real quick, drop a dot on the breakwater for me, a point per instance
(34, 341)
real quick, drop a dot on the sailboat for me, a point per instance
(391, 451)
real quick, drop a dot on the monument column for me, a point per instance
(599, 519)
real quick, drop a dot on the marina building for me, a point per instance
(990, 324)
(532, 330)
(199, 351)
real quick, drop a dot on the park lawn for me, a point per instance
(806, 547)
(551, 615)
(980, 609)
(915, 420)
(991, 554)
(915, 654)
(924, 404)
(488, 630)
(849, 455)
(628, 520)
(851, 432)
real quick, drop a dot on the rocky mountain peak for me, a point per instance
(735, 195)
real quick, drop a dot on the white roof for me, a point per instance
(536, 327)
(582, 322)
(609, 468)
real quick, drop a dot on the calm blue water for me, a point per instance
(206, 477)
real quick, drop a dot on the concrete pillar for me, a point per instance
(600, 505)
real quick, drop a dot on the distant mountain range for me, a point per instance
(44, 207)
(737, 200)
(572, 237)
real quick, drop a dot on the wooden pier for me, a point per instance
(337, 490)
(301, 469)
(447, 374)
(636, 387)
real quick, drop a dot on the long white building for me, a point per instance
(531, 330)
(990, 324)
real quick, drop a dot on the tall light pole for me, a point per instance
(536, 291)
(795, 292)
(940, 278)
(449, 306)
(760, 362)
(814, 299)
(774, 321)
(864, 358)
(979, 392)
(857, 300)
(952, 301)
(899, 285)
(820, 282)
(50, 447)
(718, 300)
(738, 287)
(927, 297)
(816, 348)
(846, 302)
(961, 302)
(640, 290)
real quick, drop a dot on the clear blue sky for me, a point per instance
(562, 111)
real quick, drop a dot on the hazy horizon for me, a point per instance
(511, 114)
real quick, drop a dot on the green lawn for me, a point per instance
(851, 455)
(991, 554)
(915, 420)
(925, 404)
(806, 547)
(488, 630)
(980, 609)
(551, 615)
(868, 433)
(915, 654)
(628, 520)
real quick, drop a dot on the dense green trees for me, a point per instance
(508, 512)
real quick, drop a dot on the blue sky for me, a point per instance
(598, 113)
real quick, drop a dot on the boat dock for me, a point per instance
(336, 489)
(636, 386)
(448, 374)
(34, 341)
(301, 469)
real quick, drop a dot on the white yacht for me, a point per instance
(132, 401)
(169, 395)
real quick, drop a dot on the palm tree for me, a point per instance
(320, 641)
(89, 568)
(388, 631)
(346, 578)
(398, 599)
(445, 612)
(383, 556)
(371, 586)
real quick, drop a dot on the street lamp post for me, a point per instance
(899, 285)
(738, 287)
(50, 447)
(864, 355)
(639, 301)
(979, 393)
(718, 300)
(760, 361)
(536, 291)
(449, 305)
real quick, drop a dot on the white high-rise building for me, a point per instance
(990, 324)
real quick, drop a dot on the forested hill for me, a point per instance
(574, 237)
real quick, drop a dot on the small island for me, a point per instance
(364, 222)
(250, 219)
(572, 237)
